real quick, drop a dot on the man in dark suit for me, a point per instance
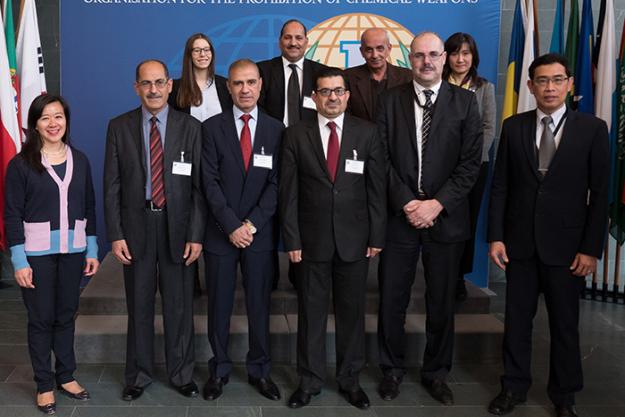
(547, 227)
(432, 135)
(332, 200)
(288, 79)
(240, 181)
(154, 213)
(376, 75)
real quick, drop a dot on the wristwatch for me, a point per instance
(250, 226)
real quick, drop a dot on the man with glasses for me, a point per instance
(332, 201)
(547, 224)
(154, 213)
(432, 135)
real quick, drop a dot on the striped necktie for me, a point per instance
(425, 131)
(156, 165)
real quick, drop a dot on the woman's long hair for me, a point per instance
(189, 93)
(454, 44)
(31, 149)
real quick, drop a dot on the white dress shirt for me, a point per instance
(210, 105)
(324, 130)
(418, 116)
(287, 75)
(251, 123)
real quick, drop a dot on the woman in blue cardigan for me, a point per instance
(50, 228)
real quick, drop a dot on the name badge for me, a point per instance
(181, 167)
(263, 161)
(355, 166)
(308, 103)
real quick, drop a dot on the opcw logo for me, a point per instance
(335, 42)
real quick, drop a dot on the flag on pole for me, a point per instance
(583, 67)
(29, 59)
(570, 50)
(557, 35)
(9, 33)
(515, 58)
(617, 208)
(10, 142)
(526, 99)
(605, 86)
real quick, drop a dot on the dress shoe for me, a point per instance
(439, 390)
(566, 411)
(461, 291)
(266, 387)
(49, 408)
(358, 398)
(131, 393)
(214, 388)
(189, 390)
(300, 398)
(80, 396)
(389, 387)
(505, 402)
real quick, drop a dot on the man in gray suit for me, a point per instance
(154, 216)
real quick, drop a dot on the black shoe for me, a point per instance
(131, 393)
(189, 390)
(80, 396)
(266, 387)
(357, 398)
(439, 390)
(389, 387)
(566, 411)
(214, 388)
(47, 409)
(300, 398)
(505, 402)
(461, 291)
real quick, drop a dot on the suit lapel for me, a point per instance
(407, 101)
(529, 142)
(566, 142)
(232, 138)
(442, 104)
(172, 142)
(364, 89)
(259, 143)
(348, 145)
(137, 136)
(314, 137)
(277, 78)
(307, 82)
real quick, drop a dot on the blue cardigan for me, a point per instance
(45, 215)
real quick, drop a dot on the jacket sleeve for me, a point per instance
(112, 186)
(288, 192)
(376, 193)
(489, 115)
(92, 239)
(197, 219)
(499, 189)
(14, 206)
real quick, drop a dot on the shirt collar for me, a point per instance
(161, 116)
(286, 63)
(238, 113)
(418, 88)
(556, 115)
(323, 121)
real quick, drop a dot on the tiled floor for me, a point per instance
(474, 382)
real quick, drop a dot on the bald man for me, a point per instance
(376, 75)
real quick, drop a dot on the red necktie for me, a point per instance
(156, 165)
(246, 141)
(332, 160)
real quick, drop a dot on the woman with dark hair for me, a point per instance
(49, 217)
(460, 69)
(199, 91)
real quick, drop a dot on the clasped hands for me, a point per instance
(242, 237)
(422, 214)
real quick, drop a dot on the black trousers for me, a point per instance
(257, 278)
(396, 274)
(526, 279)
(175, 284)
(52, 306)
(475, 202)
(315, 282)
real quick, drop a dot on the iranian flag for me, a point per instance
(10, 142)
(29, 59)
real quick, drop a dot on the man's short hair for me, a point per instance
(292, 21)
(140, 64)
(549, 59)
(328, 72)
(240, 63)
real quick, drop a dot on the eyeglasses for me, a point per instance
(160, 83)
(198, 51)
(544, 81)
(327, 92)
(433, 56)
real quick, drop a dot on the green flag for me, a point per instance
(9, 34)
(617, 206)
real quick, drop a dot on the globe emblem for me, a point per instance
(336, 41)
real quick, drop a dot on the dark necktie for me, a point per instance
(156, 165)
(425, 130)
(246, 141)
(332, 160)
(292, 95)
(547, 146)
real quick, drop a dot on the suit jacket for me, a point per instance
(450, 165)
(125, 177)
(360, 102)
(232, 195)
(272, 95)
(225, 101)
(563, 213)
(323, 218)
